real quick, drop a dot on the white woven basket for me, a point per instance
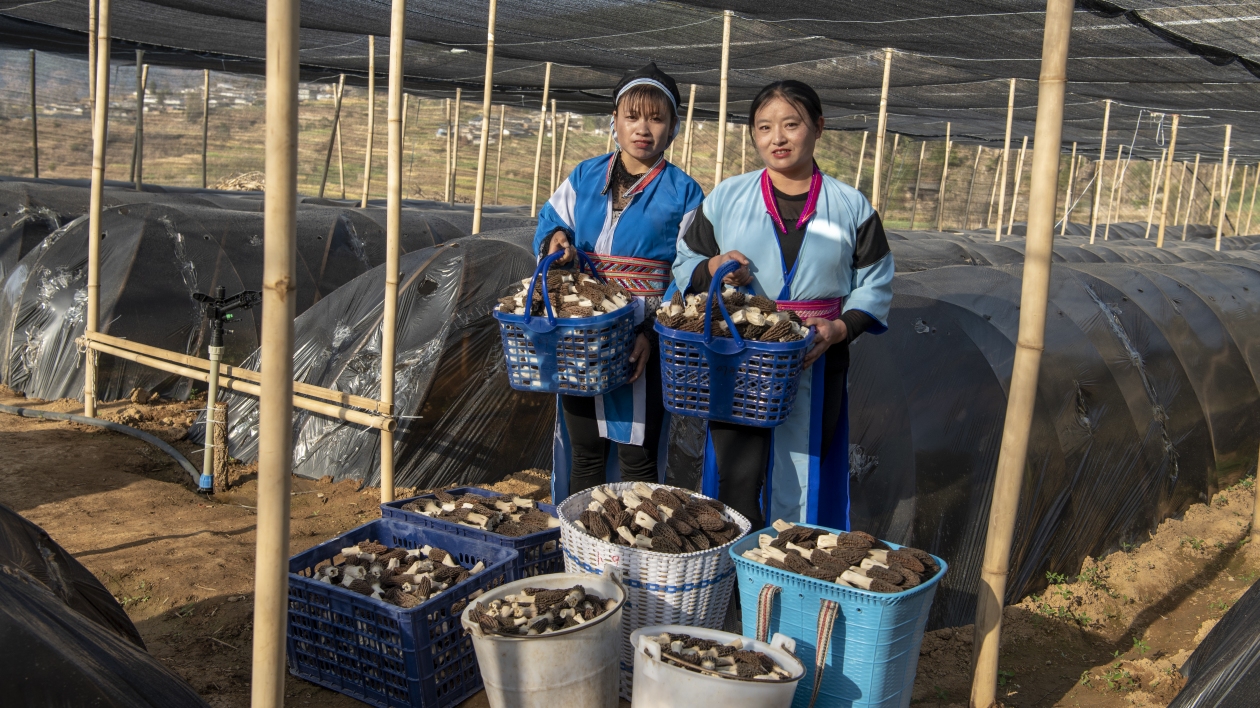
(691, 589)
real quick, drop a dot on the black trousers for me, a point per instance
(743, 452)
(590, 451)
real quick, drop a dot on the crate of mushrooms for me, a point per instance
(374, 613)
(525, 525)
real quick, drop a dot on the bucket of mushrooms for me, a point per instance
(730, 356)
(856, 606)
(551, 641)
(373, 613)
(669, 544)
(685, 667)
(567, 331)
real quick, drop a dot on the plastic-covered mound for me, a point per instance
(28, 547)
(1224, 671)
(459, 422)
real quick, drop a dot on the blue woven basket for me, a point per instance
(870, 655)
(576, 356)
(729, 379)
(539, 553)
(379, 653)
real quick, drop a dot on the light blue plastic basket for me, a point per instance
(873, 650)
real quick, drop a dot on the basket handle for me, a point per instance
(714, 287)
(828, 610)
(541, 271)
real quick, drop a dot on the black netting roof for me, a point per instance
(953, 60)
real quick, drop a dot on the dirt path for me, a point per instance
(182, 565)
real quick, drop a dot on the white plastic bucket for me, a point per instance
(576, 668)
(658, 684)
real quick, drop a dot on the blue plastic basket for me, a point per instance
(729, 379)
(576, 356)
(379, 653)
(534, 558)
(873, 648)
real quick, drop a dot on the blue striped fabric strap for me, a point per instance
(827, 612)
(654, 587)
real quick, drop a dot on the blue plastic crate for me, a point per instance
(874, 648)
(534, 557)
(729, 379)
(576, 356)
(379, 653)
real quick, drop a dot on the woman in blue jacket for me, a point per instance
(626, 210)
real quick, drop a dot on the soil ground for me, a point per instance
(181, 565)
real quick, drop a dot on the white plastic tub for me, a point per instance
(576, 668)
(658, 684)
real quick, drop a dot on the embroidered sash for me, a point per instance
(828, 309)
(640, 276)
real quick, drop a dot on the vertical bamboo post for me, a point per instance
(1034, 295)
(564, 144)
(971, 189)
(722, 85)
(880, 130)
(940, 194)
(1019, 174)
(332, 133)
(857, 178)
(1242, 192)
(100, 117)
(498, 160)
(1251, 210)
(205, 123)
(691, 144)
(1163, 210)
(686, 146)
(1116, 184)
(459, 100)
(371, 120)
(743, 149)
(918, 174)
(446, 171)
(406, 107)
(888, 172)
(1157, 171)
(1194, 181)
(139, 129)
(1067, 198)
(555, 128)
(34, 122)
(993, 189)
(341, 157)
(479, 192)
(1181, 185)
(1006, 159)
(393, 230)
(542, 131)
(1102, 161)
(1212, 194)
(1220, 221)
(92, 6)
(1228, 187)
(275, 407)
(1255, 512)
(144, 89)
(608, 142)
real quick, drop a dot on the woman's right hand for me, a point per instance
(560, 242)
(743, 276)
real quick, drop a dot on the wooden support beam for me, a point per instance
(918, 174)
(881, 128)
(542, 131)
(1067, 198)
(722, 84)
(1019, 174)
(1102, 160)
(498, 161)
(1226, 174)
(857, 178)
(1163, 210)
(1006, 159)
(971, 188)
(34, 121)
(332, 132)
(100, 132)
(487, 96)
(686, 147)
(940, 194)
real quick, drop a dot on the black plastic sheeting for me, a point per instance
(1224, 671)
(459, 422)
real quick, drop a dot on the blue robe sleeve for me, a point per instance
(873, 269)
(557, 214)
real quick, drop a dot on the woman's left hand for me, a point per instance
(826, 333)
(639, 357)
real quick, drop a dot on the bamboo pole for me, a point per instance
(34, 122)
(971, 189)
(1006, 159)
(332, 134)
(1067, 199)
(1102, 161)
(1181, 184)
(918, 174)
(608, 142)
(880, 131)
(888, 172)
(92, 6)
(205, 124)
(1251, 210)
(686, 147)
(1194, 181)
(857, 179)
(1255, 512)
(459, 100)
(139, 130)
(1157, 171)
(743, 149)
(100, 118)
(341, 159)
(144, 89)
(555, 128)
(1226, 173)
(564, 144)
(542, 131)
(498, 160)
(1212, 194)
(940, 193)
(993, 190)
(1163, 210)
(1019, 174)
(275, 405)
(722, 85)
(479, 191)
(446, 172)
(1242, 192)
(1117, 186)
(393, 229)
(371, 120)
(1039, 247)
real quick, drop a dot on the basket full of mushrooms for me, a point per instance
(730, 357)
(567, 332)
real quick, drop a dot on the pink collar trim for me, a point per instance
(811, 202)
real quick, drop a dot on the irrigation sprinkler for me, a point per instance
(218, 310)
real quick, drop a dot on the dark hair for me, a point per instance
(797, 93)
(646, 99)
